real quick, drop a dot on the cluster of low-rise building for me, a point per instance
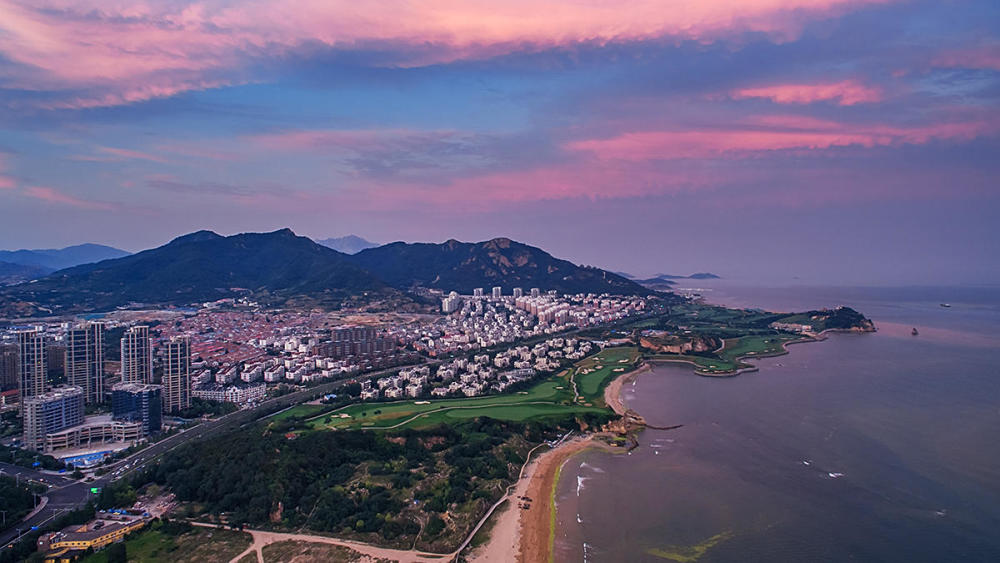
(791, 327)
(487, 320)
(478, 374)
(233, 356)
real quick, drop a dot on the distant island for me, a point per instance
(664, 282)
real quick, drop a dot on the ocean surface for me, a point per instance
(864, 447)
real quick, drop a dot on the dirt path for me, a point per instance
(262, 538)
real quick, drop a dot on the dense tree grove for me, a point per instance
(354, 482)
(26, 458)
(16, 499)
(117, 494)
(201, 407)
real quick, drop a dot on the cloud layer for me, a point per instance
(437, 118)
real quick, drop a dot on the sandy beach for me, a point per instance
(613, 392)
(523, 535)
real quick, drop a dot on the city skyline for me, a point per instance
(850, 130)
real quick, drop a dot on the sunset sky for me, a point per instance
(835, 141)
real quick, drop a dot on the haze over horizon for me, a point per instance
(811, 141)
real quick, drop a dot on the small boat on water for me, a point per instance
(946, 305)
(914, 332)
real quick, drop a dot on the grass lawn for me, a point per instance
(196, 546)
(551, 397)
(708, 365)
(514, 412)
(750, 346)
(728, 360)
(591, 385)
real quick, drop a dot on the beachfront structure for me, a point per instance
(137, 356)
(84, 360)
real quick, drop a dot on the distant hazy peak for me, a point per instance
(50, 259)
(349, 244)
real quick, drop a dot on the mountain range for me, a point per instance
(58, 258)
(11, 273)
(23, 265)
(283, 269)
(464, 266)
(278, 268)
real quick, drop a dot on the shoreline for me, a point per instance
(819, 337)
(527, 535)
(613, 391)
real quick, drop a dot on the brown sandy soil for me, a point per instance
(363, 551)
(307, 552)
(535, 522)
(613, 392)
(523, 534)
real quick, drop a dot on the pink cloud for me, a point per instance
(844, 93)
(985, 57)
(6, 182)
(356, 140)
(131, 154)
(327, 138)
(52, 195)
(772, 133)
(128, 52)
(131, 94)
(581, 179)
(198, 150)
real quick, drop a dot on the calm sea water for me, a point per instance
(874, 447)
